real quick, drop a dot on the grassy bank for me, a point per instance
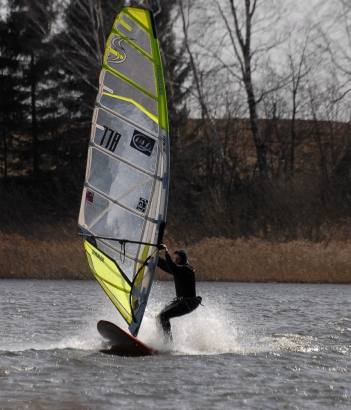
(218, 259)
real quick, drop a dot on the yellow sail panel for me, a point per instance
(135, 74)
(139, 277)
(111, 279)
(143, 16)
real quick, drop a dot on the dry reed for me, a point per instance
(256, 260)
(218, 259)
(24, 258)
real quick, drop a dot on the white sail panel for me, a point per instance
(107, 123)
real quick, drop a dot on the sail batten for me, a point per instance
(125, 161)
(128, 121)
(126, 186)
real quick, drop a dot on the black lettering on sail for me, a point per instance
(110, 139)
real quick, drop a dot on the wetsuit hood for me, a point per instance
(183, 256)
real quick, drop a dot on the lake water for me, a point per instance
(251, 346)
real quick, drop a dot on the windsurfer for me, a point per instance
(184, 279)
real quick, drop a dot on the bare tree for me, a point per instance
(336, 38)
(316, 99)
(214, 149)
(240, 32)
(298, 70)
(338, 46)
(82, 41)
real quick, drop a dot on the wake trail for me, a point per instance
(211, 330)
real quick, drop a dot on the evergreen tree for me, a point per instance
(27, 60)
(13, 96)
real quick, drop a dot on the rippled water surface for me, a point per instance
(251, 346)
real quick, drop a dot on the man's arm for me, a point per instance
(167, 264)
(163, 264)
(172, 266)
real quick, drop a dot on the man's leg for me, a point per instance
(175, 309)
(163, 319)
(166, 325)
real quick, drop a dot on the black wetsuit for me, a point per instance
(186, 300)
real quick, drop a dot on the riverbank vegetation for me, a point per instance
(215, 259)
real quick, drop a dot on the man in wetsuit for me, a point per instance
(184, 280)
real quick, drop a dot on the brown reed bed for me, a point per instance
(215, 259)
(27, 258)
(255, 260)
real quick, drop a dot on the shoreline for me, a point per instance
(215, 259)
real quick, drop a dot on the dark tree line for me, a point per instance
(285, 162)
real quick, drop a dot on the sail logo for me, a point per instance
(119, 52)
(142, 205)
(142, 143)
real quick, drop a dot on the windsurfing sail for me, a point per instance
(124, 202)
